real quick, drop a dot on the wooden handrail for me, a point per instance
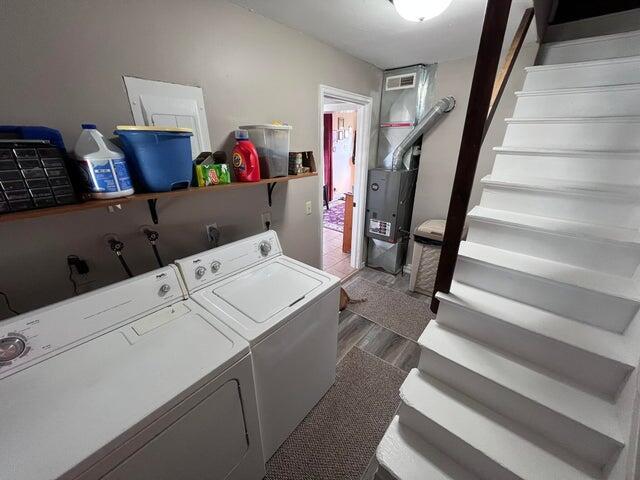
(493, 29)
(507, 67)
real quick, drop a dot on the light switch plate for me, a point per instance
(308, 207)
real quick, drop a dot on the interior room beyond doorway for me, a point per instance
(340, 130)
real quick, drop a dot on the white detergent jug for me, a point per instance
(102, 165)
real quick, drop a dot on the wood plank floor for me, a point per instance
(357, 331)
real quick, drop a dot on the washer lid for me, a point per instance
(204, 269)
(256, 301)
(262, 293)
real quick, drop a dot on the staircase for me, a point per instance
(529, 371)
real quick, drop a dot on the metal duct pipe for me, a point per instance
(432, 117)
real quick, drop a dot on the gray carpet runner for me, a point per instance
(338, 438)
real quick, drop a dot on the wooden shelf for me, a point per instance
(150, 197)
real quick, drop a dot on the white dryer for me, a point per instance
(288, 311)
(132, 381)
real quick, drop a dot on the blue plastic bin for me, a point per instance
(159, 158)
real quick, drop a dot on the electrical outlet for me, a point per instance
(78, 263)
(266, 220)
(308, 207)
(79, 274)
(213, 233)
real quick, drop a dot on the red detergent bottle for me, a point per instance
(244, 158)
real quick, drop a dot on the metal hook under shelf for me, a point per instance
(153, 210)
(270, 187)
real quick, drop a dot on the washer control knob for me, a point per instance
(265, 248)
(215, 266)
(164, 289)
(11, 348)
(200, 271)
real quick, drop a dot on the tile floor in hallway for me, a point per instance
(334, 260)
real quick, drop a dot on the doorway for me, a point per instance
(345, 121)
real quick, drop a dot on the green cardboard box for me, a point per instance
(212, 174)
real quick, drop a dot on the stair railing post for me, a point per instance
(484, 75)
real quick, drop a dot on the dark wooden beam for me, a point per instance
(507, 66)
(544, 11)
(484, 75)
(571, 11)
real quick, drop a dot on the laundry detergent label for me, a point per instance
(238, 162)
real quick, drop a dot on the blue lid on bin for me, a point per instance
(89, 126)
(242, 135)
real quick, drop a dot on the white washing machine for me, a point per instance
(133, 381)
(288, 311)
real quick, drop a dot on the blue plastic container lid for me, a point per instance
(242, 135)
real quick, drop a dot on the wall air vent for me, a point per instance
(401, 82)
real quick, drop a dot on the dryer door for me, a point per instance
(206, 443)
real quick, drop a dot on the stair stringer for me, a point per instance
(627, 466)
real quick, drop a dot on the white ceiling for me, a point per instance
(373, 31)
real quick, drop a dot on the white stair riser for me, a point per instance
(456, 448)
(616, 171)
(592, 372)
(580, 208)
(604, 102)
(578, 135)
(609, 257)
(613, 46)
(594, 308)
(588, 75)
(589, 445)
(403, 454)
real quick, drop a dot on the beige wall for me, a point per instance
(62, 66)
(440, 149)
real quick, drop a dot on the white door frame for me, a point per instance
(363, 106)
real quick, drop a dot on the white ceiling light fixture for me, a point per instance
(420, 10)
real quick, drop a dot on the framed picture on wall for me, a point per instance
(340, 134)
(340, 123)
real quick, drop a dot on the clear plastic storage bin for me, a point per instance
(272, 144)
